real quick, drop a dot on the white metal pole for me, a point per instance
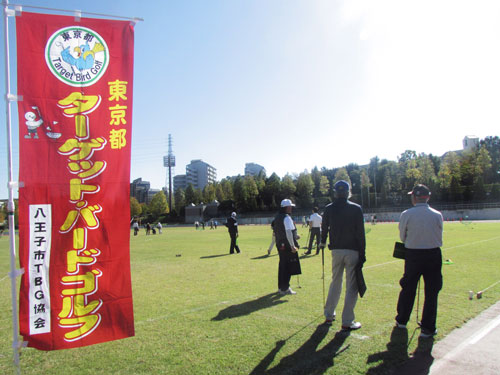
(11, 204)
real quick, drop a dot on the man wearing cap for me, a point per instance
(232, 227)
(287, 245)
(343, 221)
(315, 221)
(421, 230)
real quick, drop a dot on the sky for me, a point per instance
(294, 84)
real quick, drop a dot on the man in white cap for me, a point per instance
(343, 221)
(287, 245)
(232, 227)
(421, 230)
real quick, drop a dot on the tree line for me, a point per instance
(456, 177)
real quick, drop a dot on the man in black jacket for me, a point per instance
(232, 227)
(343, 222)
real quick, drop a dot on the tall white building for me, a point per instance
(198, 173)
(253, 169)
(470, 142)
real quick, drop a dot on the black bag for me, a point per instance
(294, 264)
(399, 250)
(360, 280)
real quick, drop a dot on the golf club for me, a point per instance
(418, 301)
(307, 241)
(323, 272)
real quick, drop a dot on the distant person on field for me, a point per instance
(315, 221)
(232, 227)
(287, 245)
(273, 239)
(135, 226)
(343, 221)
(159, 226)
(148, 229)
(421, 230)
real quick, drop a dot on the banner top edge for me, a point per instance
(18, 8)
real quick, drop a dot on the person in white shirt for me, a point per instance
(315, 221)
(421, 230)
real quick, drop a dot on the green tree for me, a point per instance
(492, 144)
(288, 188)
(272, 191)
(227, 188)
(159, 205)
(238, 193)
(426, 169)
(450, 168)
(209, 193)
(219, 192)
(135, 207)
(324, 186)
(250, 193)
(365, 184)
(192, 195)
(483, 163)
(305, 188)
(179, 200)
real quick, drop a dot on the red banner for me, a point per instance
(75, 78)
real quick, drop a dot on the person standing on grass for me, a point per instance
(421, 230)
(135, 225)
(315, 221)
(232, 227)
(284, 230)
(273, 239)
(343, 222)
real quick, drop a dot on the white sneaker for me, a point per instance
(288, 291)
(352, 327)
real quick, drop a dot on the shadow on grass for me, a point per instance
(264, 256)
(246, 308)
(395, 360)
(307, 359)
(215, 256)
(305, 256)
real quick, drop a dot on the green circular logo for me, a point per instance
(77, 56)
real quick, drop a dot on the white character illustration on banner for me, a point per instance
(32, 123)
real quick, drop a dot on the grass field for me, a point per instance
(207, 312)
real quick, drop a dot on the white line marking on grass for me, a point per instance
(470, 243)
(491, 286)
(381, 264)
(359, 337)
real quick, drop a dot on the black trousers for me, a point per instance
(233, 245)
(284, 274)
(315, 232)
(426, 263)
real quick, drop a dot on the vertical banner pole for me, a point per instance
(11, 205)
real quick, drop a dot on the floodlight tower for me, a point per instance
(169, 162)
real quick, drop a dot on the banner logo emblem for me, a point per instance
(77, 56)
